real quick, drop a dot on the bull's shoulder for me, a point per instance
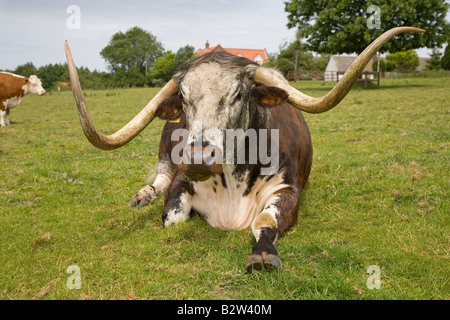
(11, 85)
(294, 139)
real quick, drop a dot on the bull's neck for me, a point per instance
(25, 90)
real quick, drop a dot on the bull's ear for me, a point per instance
(170, 109)
(270, 96)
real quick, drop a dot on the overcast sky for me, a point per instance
(35, 30)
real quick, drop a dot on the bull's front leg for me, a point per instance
(178, 200)
(279, 214)
(2, 117)
(7, 117)
(148, 194)
(166, 168)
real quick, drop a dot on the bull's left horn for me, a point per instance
(340, 90)
(130, 130)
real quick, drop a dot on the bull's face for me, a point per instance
(34, 86)
(214, 98)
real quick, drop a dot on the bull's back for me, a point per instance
(11, 86)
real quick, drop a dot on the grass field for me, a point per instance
(378, 195)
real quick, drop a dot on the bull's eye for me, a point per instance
(237, 97)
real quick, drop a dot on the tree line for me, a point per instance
(136, 58)
(342, 26)
(408, 61)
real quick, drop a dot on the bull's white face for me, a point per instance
(213, 101)
(34, 86)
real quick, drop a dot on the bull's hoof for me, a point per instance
(254, 262)
(272, 262)
(144, 197)
(265, 261)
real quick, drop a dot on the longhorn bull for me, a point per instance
(219, 92)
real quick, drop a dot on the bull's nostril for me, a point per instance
(213, 153)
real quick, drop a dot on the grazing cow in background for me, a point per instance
(209, 98)
(12, 89)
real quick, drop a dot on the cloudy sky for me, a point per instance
(35, 30)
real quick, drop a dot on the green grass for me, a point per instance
(378, 195)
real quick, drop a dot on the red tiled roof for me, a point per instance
(250, 54)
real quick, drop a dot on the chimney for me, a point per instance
(207, 45)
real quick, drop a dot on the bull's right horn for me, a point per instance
(131, 129)
(340, 90)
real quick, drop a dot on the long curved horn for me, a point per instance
(340, 90)
(131, 129)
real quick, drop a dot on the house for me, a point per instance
(340, 64)
(259, 56)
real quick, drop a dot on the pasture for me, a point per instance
(378, 195)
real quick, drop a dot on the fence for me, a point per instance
(366, 76)
(306, 75)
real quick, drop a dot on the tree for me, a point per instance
(445, 62)
(281, 64)
(340, 26)
(321, 62)
(296, 51)
(384, 66)
(26, 69)
(435, 62)
(131, 52)
(184, 54)
(403, 61)
(293, 52)
(163, 68)
(50, 74)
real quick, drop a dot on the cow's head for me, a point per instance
(214, 92)
(34, 86)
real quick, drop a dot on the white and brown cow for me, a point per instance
(211, 97)
(12, 89)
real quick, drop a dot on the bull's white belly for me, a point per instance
(12, 102)
(228, 208)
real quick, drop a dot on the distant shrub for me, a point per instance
(403, 61)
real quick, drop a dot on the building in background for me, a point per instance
(339, 64)
(259, 56)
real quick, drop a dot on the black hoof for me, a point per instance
(272, 262)
(254, 262)
(265, 261)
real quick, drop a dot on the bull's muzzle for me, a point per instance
(200, 161)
